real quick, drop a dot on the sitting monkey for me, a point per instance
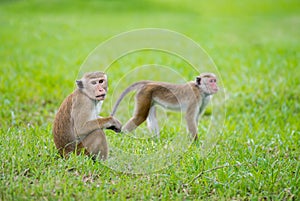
(77, 126)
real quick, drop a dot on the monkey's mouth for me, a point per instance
(101, 97)
(215, 90)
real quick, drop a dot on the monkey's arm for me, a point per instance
(110, 123)
(202, 108)
(100, 123)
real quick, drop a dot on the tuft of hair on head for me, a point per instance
(91, 75)
(207, 75)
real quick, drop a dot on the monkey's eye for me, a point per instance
(101, 81)
(94, 82)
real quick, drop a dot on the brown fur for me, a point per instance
(76, 127)
(191, 98)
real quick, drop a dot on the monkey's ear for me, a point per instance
(198, 80)
(79, 84)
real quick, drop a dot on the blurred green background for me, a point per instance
(254, 44)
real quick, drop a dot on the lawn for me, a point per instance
(249, 137)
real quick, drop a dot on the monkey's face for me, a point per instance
(99, 88)
(94, 88)
(211, 85)
(207, 83)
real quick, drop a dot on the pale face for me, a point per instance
(99, 86)
(94, 88)
(209, 85)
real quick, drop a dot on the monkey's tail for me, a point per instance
(132, 87)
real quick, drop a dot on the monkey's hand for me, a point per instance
(115, 124)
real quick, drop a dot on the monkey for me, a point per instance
(191, 98)
(77, 126)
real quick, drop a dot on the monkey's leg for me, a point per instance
(192, 128)
(152, 121)
(96, 145)
(190, 118)
(142, 107)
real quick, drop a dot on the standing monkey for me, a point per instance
(77, 125)
(191, 98)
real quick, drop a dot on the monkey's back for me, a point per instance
(173, 93)
(62, 128)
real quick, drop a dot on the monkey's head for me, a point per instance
(94, 85)
(207, 83)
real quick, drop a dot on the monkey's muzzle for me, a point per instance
(101, 97)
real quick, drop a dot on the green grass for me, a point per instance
(254, 44)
